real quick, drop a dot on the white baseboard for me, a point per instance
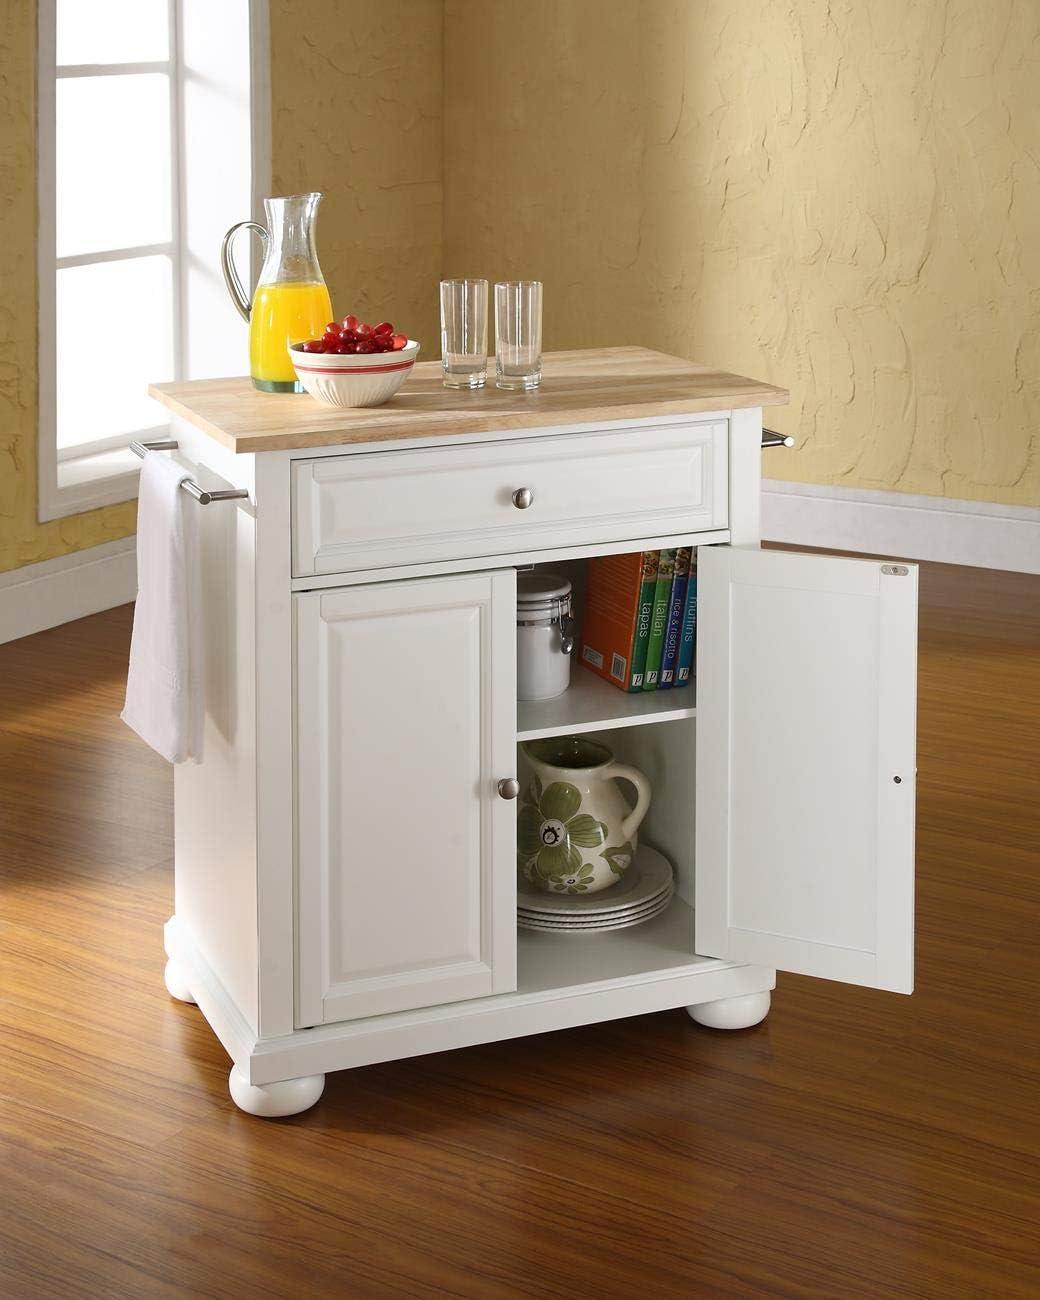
(53, 592)
(40, 596)
(897, 524)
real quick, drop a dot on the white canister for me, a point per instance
(544, 635)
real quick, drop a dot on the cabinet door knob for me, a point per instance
(522, 498)
(509, 787)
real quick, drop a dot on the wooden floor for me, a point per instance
(856, 1144)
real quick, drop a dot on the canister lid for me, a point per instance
(538, 588)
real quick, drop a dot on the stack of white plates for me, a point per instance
(642, 892)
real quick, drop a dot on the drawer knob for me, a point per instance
(522, 498)
(509, 787)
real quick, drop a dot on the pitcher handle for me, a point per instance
(227, 265)
(633, 775)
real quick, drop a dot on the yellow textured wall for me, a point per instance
(842, 197)
(357, 112)
(356, 91)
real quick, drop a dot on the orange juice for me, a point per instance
(282, 314)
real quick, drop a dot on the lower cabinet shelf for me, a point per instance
(591, 704)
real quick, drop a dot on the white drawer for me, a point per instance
(389, 508)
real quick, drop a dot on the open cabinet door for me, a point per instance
(806, 723)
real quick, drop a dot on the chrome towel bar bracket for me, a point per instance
(201, 495)
(770, 438)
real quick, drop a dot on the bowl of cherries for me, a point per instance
(354, 363)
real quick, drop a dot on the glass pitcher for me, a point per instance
(291, 302)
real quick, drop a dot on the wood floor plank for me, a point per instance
(856, 1144)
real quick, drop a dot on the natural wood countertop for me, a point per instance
(577, 388)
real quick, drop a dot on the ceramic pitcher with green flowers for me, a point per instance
(576, 834)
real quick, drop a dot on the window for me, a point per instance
(146, 154)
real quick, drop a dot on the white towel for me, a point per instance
(164, 688)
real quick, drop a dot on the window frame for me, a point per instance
(105, 472)
(101, 472)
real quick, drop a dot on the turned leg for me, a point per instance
(274, 1100)
(732, 1013)
(176, 980)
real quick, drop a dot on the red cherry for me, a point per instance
(400, 341)
(345, 349)
(365, 330)
(350, 323)
(348, 336)
(333, 328)
(366, 346)
(312, 345)
(384, 327)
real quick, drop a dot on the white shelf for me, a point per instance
(591, 704)
(563, 962)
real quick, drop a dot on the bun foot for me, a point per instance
(732, 1013)
(275, 1100)
(175, 978)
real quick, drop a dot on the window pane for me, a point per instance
(112, 31)
(112, 162)
(114, 338)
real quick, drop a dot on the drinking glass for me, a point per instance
(518, 333)
(464, 318)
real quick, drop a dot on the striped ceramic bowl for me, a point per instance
(354, 380)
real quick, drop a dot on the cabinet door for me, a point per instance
(406, 721)
(806, 704)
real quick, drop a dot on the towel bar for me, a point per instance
(201, 495)
(770, 438)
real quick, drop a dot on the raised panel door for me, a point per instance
(405, 851)
(806, 719)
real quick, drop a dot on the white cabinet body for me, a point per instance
(369, 751)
